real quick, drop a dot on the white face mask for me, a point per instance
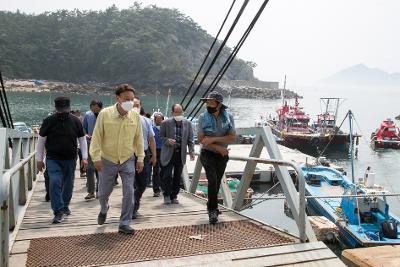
(127, 105)
(137, 110)
(178, 118)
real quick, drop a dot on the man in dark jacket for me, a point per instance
(59, 134)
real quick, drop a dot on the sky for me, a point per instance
(307, 40)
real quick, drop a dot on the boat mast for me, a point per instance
(337, 109)
(283, 92)
(157, 107)
(166, 107)
(351, 146)
(229, 98)
(326, 116)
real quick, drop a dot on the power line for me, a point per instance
(230, 59)
(6, 100)
(208, 53)
(5, 110)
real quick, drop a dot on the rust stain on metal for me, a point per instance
(150, 244)
(4, 206)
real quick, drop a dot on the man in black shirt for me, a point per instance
(59, 134)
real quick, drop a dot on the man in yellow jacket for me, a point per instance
(116, 139)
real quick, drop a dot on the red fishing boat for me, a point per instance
(293, 129)
(387, 136)
(327, 122)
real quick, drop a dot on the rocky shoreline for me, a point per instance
(240, 89)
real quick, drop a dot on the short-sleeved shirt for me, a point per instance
(219, 131)
(147, 131)
(89, 121)
(61, 136)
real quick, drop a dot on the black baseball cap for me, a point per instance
(62, 104)
(215, 96)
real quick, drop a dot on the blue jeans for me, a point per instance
(61, 183)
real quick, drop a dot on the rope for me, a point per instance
(336, 131)
(262, 195)
(218, 52)
(231, 57)
(208, 53)
(5, 117)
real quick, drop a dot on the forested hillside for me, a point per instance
(147, 46)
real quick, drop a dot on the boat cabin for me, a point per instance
(387, 130)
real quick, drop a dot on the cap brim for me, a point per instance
(206, 98)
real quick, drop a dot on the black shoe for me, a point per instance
(135, 214)
(213, 216)
(167, 200)
(66, 211)
(101, 218)
(58, 218)
(47, 197)
(157, 194)
(126, 229)
(115, 183)
(174, 201)
(90, 196)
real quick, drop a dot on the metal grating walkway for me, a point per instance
(150, 244)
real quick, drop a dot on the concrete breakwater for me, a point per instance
(239, 89)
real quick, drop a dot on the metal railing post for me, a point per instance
(4, 223)
(196, 176)
(185, 178)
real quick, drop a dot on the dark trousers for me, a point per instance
(157, 174)
(46, 183)
(171, 182)
(141, 180)
(91, 184)
(80, 161)
(214, 164)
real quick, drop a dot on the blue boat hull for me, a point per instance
(327, 181)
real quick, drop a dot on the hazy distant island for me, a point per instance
(362, 75)
(154, 49)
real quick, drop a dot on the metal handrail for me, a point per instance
(302, 202)
(23, 146)
(331, 196)
(4, 202)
